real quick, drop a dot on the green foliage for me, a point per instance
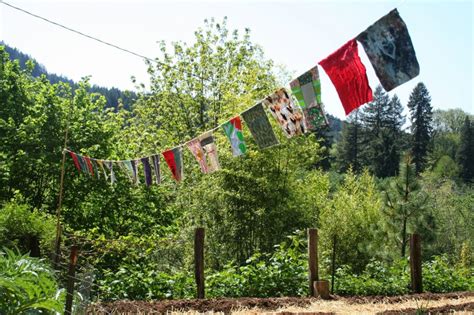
(421, 118)
(284, 273)
(352, 215)
(465, 153)
(377, 278)
(21, 227)
(27, 286)
(442, 275)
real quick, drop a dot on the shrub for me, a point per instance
(439, 275)
(20, 227)
(27, 285)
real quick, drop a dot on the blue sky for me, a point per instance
(296, 34)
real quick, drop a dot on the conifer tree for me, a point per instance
(421, 128)
(404, 203)
(348, 148)
(382, 120)
(465, 153)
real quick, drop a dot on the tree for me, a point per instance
(382, 120)
(421, 129)
(404, 202)
(348, 148)
(465, 153)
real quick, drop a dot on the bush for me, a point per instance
(439, 275)
(25, 229)
(27, 286)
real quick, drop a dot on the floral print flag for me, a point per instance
(233, 131)
(286, 112)
(209, 146)
(196, 149)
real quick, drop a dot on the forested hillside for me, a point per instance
(112, 95)
(365, 190)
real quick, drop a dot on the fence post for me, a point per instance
(415, 263)
(312, 259)
(70, 280)
(199, 261)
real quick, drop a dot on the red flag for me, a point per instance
(89, 165)
(348, 75)
(75, 160)
(175, 163)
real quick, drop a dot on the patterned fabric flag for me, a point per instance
(83, 163)
(136, 178)
(287, 114)
(101, 165)
(196, 149)
(348, 75)
(156, 168)
(89, 165)
(175, 162)
(75, 160)
(110, 166)
(94, 166)
(259, 126)
(127, 168)
(233, 131)
(147, 170)
(390, 50)
(307, 90)
(209, 146)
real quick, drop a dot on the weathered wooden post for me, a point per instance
(312, 259)
(70, 280)
(199, 261)
(415, 263)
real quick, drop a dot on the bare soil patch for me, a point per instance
(405, 304)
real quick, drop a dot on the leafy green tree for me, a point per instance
(421, 125)
(465, 154)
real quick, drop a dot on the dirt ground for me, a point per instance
(458, 302)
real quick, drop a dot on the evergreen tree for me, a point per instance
(421, 120)
(348, 148)
(382, 120)
(404, 204)
(465, 153)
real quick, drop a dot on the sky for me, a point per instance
(294, 33)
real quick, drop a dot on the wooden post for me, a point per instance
(57, 251)
(199, 261)
(333, 268)
(312, 259)
(321, 288)
(70, 280)
(415, 263)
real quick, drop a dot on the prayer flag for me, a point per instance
(209, 146)
(75, 160)
(287, 114)
(175, 162)
(110, 166)
(128, 168)
(147, 170)
(348, 75)
(307, 90)
(94, 166)
(390, 50)
(259, 126)
(233, 131)
(101, 164)
(89, 165)
(83, 163)
(136, 178)
(156, 168)
(196, 149)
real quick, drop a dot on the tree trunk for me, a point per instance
(404, 236)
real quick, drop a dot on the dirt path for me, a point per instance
(459, 302)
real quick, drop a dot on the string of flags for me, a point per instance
(297, 110)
